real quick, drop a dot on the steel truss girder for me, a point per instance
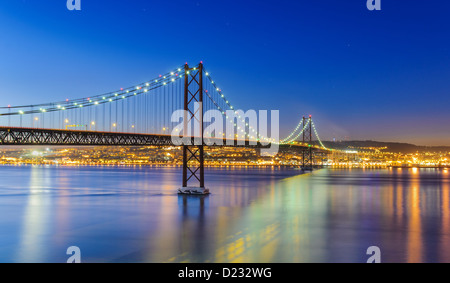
(27, 136)
(33, 136)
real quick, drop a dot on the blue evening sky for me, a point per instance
(381, 75)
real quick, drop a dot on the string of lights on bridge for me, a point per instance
(124, 93)
(143, 89)
(288, 140)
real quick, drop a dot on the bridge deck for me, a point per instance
(48, 137)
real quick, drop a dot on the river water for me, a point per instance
(133, 214)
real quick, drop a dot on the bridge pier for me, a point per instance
(193, 155)
(307, 153)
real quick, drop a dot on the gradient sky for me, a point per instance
(381, 75)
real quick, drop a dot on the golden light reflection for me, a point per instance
(165, 241)
(289, 221)
(62, 216)
(415, 247)
(399, 202)
(445, 246)
(36, 218)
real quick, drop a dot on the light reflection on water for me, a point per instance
(133, 214)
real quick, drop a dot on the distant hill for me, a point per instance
(391, 146)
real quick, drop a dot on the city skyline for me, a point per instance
(336, 61)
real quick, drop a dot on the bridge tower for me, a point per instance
(193, 154)
(308, 155)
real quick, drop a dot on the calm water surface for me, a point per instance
(133, 214)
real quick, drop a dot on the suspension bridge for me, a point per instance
(141, 116)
